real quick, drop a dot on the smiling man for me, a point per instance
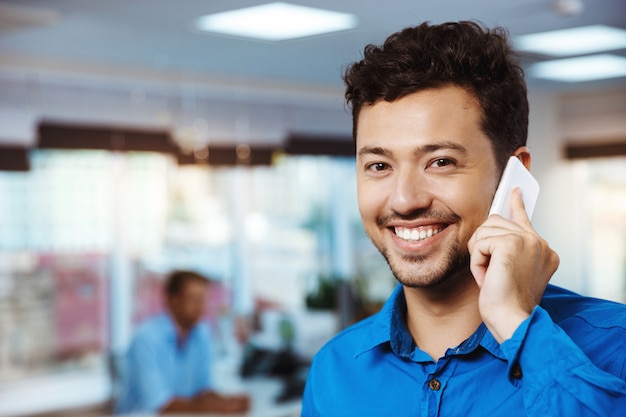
(474, 329)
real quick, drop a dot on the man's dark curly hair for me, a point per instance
(463, 54)
(176, 281)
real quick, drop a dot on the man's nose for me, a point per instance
(410, 191)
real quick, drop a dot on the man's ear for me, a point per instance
(170, 302)
(523, 154)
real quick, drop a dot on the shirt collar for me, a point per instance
(388, 327)
(168, 326)
(172, 332)
(379, 328)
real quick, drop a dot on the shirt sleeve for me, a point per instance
(151, 391)
(556, 377)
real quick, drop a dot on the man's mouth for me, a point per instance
(414, 234)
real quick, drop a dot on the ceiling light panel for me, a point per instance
(575, 41)
(580, 69)
(276, 22)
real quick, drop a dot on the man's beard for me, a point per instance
(455, 265)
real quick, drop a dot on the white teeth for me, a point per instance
(416, 234)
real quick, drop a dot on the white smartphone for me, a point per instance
(515, 175)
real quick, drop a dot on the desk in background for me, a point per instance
(264, 392)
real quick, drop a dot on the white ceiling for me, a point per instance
(156, 36)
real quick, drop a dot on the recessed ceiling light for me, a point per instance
(586, 68)
(276, 22)
(576, 41)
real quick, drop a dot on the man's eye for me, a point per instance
(442, 162)
(377, 166)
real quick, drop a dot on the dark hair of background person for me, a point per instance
(177, 280)
(463, 54)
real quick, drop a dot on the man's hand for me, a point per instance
(512, 265)
(225, 404)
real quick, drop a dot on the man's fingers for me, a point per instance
(518, 211)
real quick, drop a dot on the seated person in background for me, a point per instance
(167, 367)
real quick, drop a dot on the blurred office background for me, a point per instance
(132, 144)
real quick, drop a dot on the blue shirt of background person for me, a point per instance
(473, 329)
(159, 369)
(167, 367)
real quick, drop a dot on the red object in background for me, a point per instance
(217, 302)
(147, 295)
(80, 302)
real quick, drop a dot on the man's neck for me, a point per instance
(182, 332)
(441, 319)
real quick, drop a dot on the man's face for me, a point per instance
(426, 175)
(188, 306)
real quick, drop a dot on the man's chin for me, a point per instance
(439, 283)
(426, 279)
(420, 273)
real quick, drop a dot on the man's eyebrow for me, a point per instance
(374, 150)
(438, 146)
(418, 151)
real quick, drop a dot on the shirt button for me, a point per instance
(434, 384)
(516, 371)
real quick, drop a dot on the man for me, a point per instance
(168, 363)
(474, 329)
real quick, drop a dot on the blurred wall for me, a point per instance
(196, 113)
(585, 117)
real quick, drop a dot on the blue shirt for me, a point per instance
(157, 369)
(567, 359)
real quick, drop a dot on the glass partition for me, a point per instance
(603, 184)
(86, 238)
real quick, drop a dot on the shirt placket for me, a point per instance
(434, 386)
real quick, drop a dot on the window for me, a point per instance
(603, 183)
(87, 237)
